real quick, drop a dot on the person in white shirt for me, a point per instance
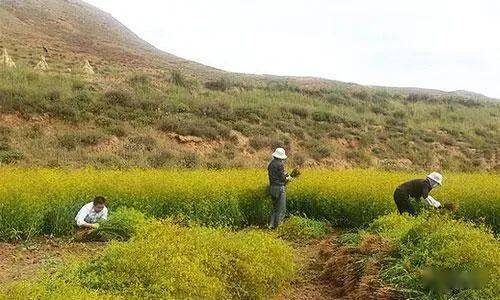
(91, 213)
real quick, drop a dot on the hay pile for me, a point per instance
(6, 60)
(42, 65)
(87, 68)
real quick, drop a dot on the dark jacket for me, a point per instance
(417, 188)
(276, 172)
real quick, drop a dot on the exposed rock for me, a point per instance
(186, 139)
(6, 60)
(402, 164)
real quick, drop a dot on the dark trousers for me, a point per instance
(278, 195)
(402, 199)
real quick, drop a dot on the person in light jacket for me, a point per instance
(278, 179)
(91, 213)
(417, 189)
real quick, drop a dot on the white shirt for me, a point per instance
(87, 215)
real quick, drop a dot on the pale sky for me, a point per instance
(441, 44)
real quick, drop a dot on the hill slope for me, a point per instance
(136, 112)
(72, 30)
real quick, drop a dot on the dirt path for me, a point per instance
(331, 270)
(309, 284)
(20, 261)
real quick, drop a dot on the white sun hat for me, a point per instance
(436, 177)
(280, 153)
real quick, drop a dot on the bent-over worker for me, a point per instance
(91, 213)
(417, 189)
(277, 181)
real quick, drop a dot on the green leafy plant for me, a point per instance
(121, 225)
(300, 230)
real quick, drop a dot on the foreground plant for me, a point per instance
(431, 257)
(164, 260)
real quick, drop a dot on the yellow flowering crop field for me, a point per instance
(45, 201)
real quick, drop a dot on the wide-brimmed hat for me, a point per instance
(280, 153)
(436, 177)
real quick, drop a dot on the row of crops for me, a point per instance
(45, 201)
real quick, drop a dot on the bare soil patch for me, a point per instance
(22, 260)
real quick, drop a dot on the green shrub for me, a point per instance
(71, 140)
(178, 79)
(4, 143)
(222, 84)
(299, 230)
(206, 127)
(10, 156)
(117, 130)
(440, 258)
(118, 97)
(161, 160)
(318, 150)
(260, 142)
(5, 130)
(322, 116)
(169, 261)
(141, 142)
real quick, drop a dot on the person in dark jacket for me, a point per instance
(278, 178)
(417, 189)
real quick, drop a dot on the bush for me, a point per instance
(5, 130)
(206, 127)
(178, 79)
(117, 130)
(318, 150)
(10, 156)
(71, 140)
(221, 84)
(161, 160)
(299, 230)
(322, 116)
(141, 143)
(260, 142)
(121, 98)
(4, 143)
(439, 258)
(168, 261)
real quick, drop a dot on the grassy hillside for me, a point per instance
(171, 120)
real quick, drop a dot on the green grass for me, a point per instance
(45, 201)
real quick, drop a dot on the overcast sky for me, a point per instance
(440, 44)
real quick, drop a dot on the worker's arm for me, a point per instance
(433, 202)
(80, 218)
(104, 213)
(284, 176)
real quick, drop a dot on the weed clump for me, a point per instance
(299, 230)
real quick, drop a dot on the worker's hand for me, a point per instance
(289, 178)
